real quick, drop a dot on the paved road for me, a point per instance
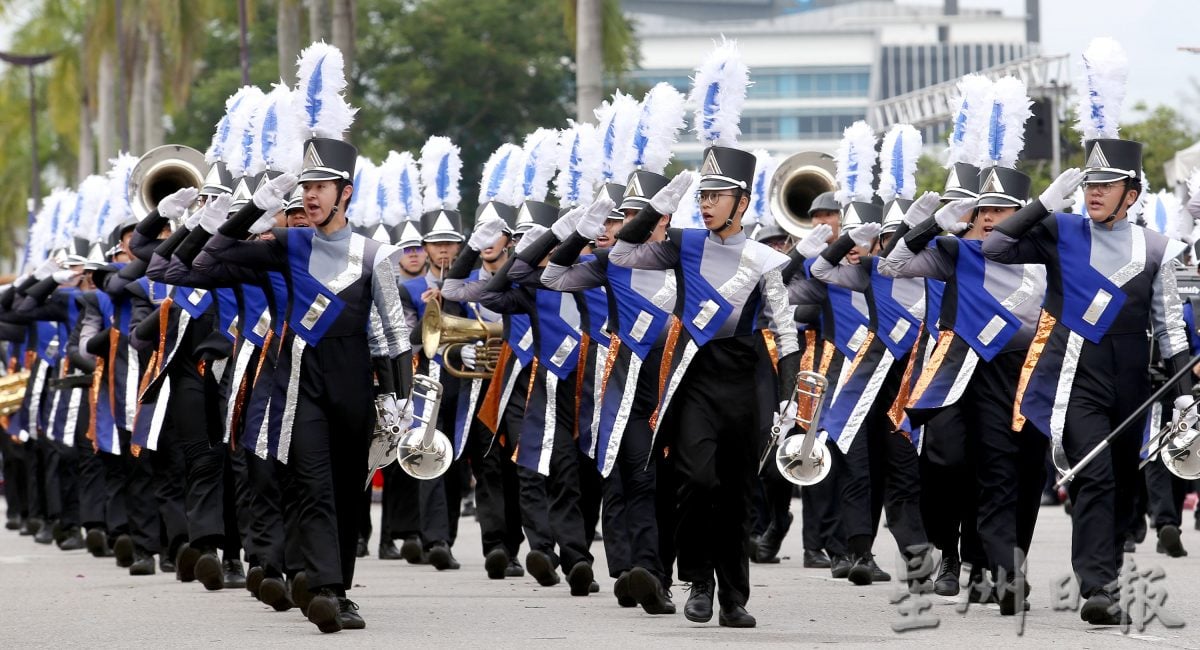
(54, 598)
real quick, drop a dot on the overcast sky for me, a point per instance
(1151, 31)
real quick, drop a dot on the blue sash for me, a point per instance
(981, 322)
(702, 303)
(891, 318)
(639, 321)
(314, 307)
(558, 339)
(1091, 302)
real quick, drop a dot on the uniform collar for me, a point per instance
(1116, 225)
(337, 235)
(731, 240)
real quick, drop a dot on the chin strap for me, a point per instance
(341, 186)
(732, 212)
(1111, 217)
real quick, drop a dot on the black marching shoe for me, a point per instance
(209, 571)
(123, 551)
(698, 608)
(496, 563)
(946, 583)
(979, 590)
(839, 567)
(621, 591)
(254, 578)
(441, 558)
(185, 563)
(235, 574)
(860, 572)
(514, 569)
(411, 551)
(816, 559)
(348, 615)
(1101, 609)
(388, 550)
(648, 591)
(13, 523)
(301, 596)
(31, 526)
(274, 592)
(97, 542)
(324, 611)
(580, 579)
(877, 573)
(46, 534)
(165, 563)
(72, 542)
(771, 541)
(1169, 542)
(361, 549)
(1006, 597)
(143, 564)
(735, 616)
(541, 567)
(594, 588)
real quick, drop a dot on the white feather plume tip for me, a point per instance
(540, 155)
(92, 192)
(222, 137)
(579, 163)
(616, 122)
(320, 108)
(759, 210)
(855, 162)
(1010, 110)
(501, 175)
(718, 93)
(240, 145)
(278, 145)
(898, 163)
(1105, 71)
(968, 132)
(659, 121)
(441, 171)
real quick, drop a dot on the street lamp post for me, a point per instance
(29, 62)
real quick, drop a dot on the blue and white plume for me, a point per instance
(240, 146)
(92, 192)
(363, 197)
(408, 187)
(1006, 123)
(279, 148)
(1102, 88)
(760, 199)
(718, 93)
(441, 171)
(855, 160)
(540, 159)
(41, 235)
(320, 108)
(224, 143)
(387, 191)
(66, 217)
(117, 206)
(898, 162)
(687, 214)
(579, 162)
(659, 121)
(968, 130)
(616, 121)
(501, 176)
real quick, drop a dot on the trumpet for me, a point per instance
(424, 452)
(803, 458)
(453, 332)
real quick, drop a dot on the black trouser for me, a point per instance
(715, 424)
(1166, 493)
(881, 469)
(1009, 466)
(68, 481)
(401, 513)
(1110, 382)
(274, 538)
(93, 501)
(234, 508)
(497, 490)
(35, 479)
(327, 457)
(16, 479)
(948, 466)
(631, 533)
(196, 431)
(169, 469)
(116, 489)
(132, 480)
(821, 523)
(50, 477)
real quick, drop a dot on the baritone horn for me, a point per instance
(424, 452)
(12, 391)
(798, 180)
(453, 332)
(803, 458)
(161, 172)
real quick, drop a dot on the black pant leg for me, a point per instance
(69, 486)
(92, 489)
(566, 515)
(205, 462)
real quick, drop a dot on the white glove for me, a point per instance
(47, 269)
(666, 200)
(175, 205)
(591, 222)
(192, 221)
(533, 234)
(921, 209)
(272, 196)
(467, 352)
(865, 234)
(565, 226)
(215, 212)
(64, 276)
(785, 418)
(486, 234)
(815, 241)
(1061, 193)
(949, 218)
(263, 223)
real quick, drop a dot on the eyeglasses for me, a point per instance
(412, 250)
(711, 196)
(1104, 188)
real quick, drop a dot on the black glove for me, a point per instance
(97, 345)
(838, 249)
(463, 264)
(568, 252)
(789, 367)
(1023, 220)
(919, 237)
(638, 229)
(238, 226)
(539, 249)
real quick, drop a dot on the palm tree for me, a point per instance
(604, 43)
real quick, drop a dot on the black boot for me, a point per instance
(496, 563)
(648, 591)
(441, 558)
(1170, 543)
(542, 568)
(143, 564)
(348, 615)
(580, 578)
(46, 534)
(1101, 609)
(323, 611)
(274, 592)
(166, 563)
(361, 550)
(97, 542)
(13, 522)
(300, 593)
(254, 578)
(123, 550)
(72, 542)
(388, 550)
(816, 559)
(621, 591)
(860, 572)
(839, 567)
(411, 551)
(771, 540)
(514, 570)
(698, 608)
(31, 526)
(735, 616)
(234, 574)
(185, 563)
(946, 583)
(209, 571)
